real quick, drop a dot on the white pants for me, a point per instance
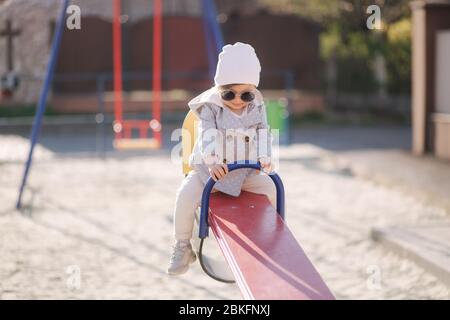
(189, 196)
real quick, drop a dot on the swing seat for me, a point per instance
(125, 141)
(136, 144)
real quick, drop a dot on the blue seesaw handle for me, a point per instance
(204, 211)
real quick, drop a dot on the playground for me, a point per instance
(108, 221)
(88, 193)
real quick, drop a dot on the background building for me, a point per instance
(86, 54)
(431, 77)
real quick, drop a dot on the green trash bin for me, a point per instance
(277, 117)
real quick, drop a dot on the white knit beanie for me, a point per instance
(237, 63)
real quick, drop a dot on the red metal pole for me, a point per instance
(117, 57)
(157, 62)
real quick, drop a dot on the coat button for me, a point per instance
(224, 160)
(247, 139)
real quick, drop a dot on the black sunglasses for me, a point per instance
(229, 95)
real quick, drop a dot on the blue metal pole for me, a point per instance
(215, 25)
(208, 39)
(43, 97)
(204, 210)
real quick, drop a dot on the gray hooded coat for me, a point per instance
(225, 137)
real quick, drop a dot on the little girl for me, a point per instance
(233, 127)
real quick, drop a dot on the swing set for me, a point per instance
(123, 127)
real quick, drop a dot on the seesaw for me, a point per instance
(261, 254)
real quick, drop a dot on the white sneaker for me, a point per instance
(181, 257)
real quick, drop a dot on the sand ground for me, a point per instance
(96, 228)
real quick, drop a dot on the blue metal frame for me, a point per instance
(212, 15)
(208, 40)
(43, 97)
(213, 34)
(204, 211)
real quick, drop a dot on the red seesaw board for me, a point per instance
(265, 258)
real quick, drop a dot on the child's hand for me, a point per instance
(266, 164)
(218, 171)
